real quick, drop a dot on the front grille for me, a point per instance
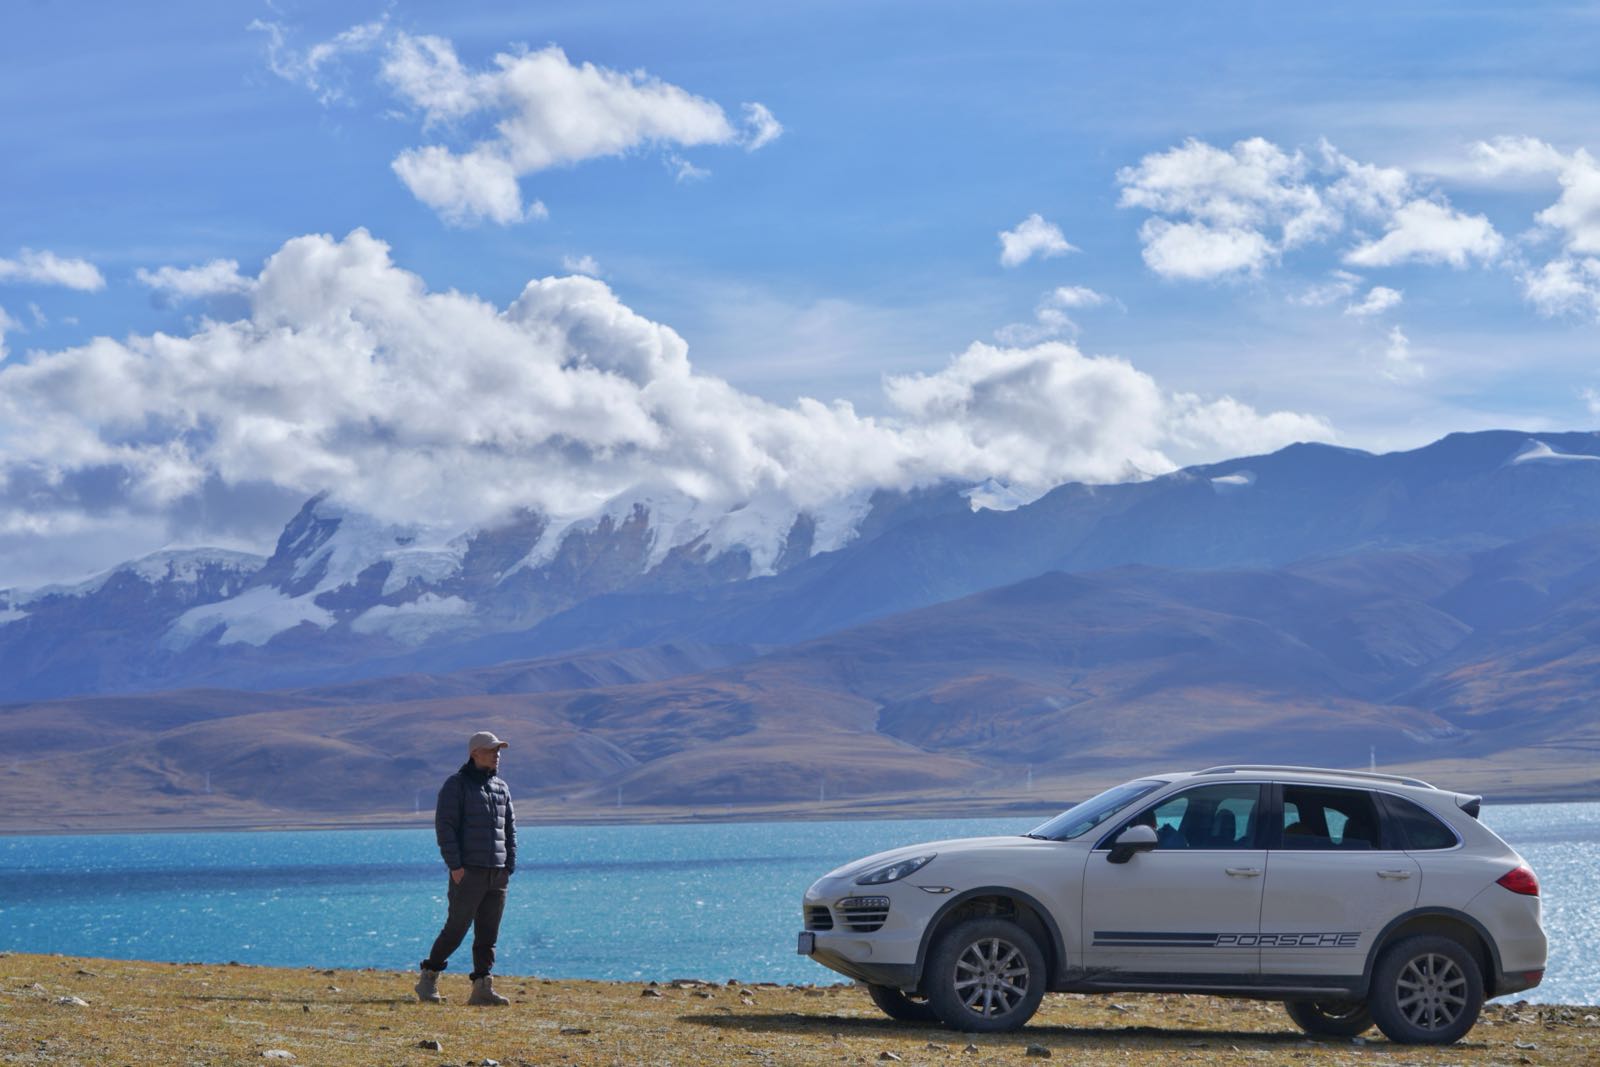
(864, 915)
(818, 918)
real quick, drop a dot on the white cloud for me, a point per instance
(1591, 399)
(440, 408)
(1077, 296)
(1429, 232)
(466, 188)
(1050, 317)
(1197, 252)
(219, 277)
(1565, 285)
(581, 265)
(1399, 364)
(1378, 300)
(7, 323)
(1219, 214)
(1033, 236)
(763, 126)
(1516, 156)
(1341, 285)
(684, 171)
(47, 268)
(309, 69)
(548, 112)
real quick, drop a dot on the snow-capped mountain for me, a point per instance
(343, 595)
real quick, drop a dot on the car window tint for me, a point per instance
(1315, 817)
(1422, 829)
(1210, 817)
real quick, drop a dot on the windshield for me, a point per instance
(1082, 818)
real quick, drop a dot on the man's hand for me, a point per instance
(458, 874)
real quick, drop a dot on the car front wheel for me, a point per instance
(1426, 991)
(1330, 1018)
(897, 1005)
(985, 975)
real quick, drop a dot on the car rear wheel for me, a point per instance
(898, 1005)
(1330, 1018)
(1426, 991)
(985, 975)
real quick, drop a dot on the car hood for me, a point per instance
(954, 846)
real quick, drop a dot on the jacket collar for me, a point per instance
(475, 773)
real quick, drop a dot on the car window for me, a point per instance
(1318, 818)
(1422, 829)
(1208, 817)
(1082, 818)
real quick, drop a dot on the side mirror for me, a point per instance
(1134, 839)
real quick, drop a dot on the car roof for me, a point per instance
(1290, 773)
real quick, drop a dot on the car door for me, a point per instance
(1335, 877)
(1189, 908)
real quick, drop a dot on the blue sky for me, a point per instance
(1451, 283)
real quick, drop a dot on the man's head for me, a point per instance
(484, 748)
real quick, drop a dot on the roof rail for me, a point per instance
(1229, 768)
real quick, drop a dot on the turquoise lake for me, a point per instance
(619, 902)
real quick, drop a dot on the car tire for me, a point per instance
(1426, 991)
(985, 976)
(1330, 1018)
(899, 1006)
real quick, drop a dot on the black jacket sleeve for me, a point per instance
(511, 836)
(447, 821)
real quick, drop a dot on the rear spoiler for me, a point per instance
(1470, 805)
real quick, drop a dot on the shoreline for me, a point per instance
(890, 811)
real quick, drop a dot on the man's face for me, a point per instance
(487, 758)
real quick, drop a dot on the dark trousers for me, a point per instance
(478, 901)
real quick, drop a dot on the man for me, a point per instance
(478, 840)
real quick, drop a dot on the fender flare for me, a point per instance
(1058, 943)
(1382, 941)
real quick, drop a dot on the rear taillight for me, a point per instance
(1520, 880)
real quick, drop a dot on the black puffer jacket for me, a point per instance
(473, 820)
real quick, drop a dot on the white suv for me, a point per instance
(1354, 898)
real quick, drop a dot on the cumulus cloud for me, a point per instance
(547, 112)
(219, 277)
(1568, 283)
(1428, 232)
(1033, 236)
(1565, 285)
(443, 409)
(1379, 299)
(1219, 213)
(47, 268)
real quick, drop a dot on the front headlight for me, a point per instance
(895, 871)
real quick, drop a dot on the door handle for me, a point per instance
(1244, 872)
(1398, 875)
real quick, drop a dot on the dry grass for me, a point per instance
(156, 1013)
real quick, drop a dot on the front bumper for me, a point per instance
(898, 975)
(885, 954)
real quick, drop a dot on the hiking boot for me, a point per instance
(428, 987)
(483, 992)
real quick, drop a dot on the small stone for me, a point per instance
(72, 1002)
(815, 993)
(306, 1008)
(430, 1044)
(575, 1031)
(648, 992)
(932, 1047)
(701, 993)
(1123, 1008)
(970, 1048)
(335, 989)
(1526, 1046)
(887, 1055)
(87, 974)
(1037, 1051)
(277, 1054)
(490, 1063)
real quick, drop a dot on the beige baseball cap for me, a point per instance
(484, 739)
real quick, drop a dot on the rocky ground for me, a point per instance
(68, 1010)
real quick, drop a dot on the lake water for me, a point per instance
(619, 902)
